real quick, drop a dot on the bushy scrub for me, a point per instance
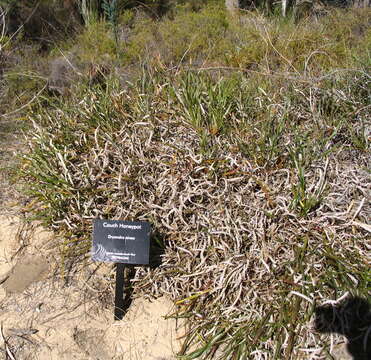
(250, 41)
(189, 37)
(96, 43)
(287, 45)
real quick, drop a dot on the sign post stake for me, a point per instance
(121, 242)
(119, 291)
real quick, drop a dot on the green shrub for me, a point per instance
(210, 36)
(189, 37)
(95, 43)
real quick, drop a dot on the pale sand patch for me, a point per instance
(340, 352)
(26, 271)
(9, 227)
(73, 320)
(27, 241)
(144, 333)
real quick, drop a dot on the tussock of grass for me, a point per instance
(256, 180)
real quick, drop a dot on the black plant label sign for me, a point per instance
(125, 242)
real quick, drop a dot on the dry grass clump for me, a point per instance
(257, 195)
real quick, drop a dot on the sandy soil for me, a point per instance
(44, 317)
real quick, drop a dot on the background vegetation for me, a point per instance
(243, 138)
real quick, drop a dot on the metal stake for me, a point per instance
(119, 292)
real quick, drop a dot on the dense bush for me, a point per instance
(211, 37)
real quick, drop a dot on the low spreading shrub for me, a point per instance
(248, 187)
